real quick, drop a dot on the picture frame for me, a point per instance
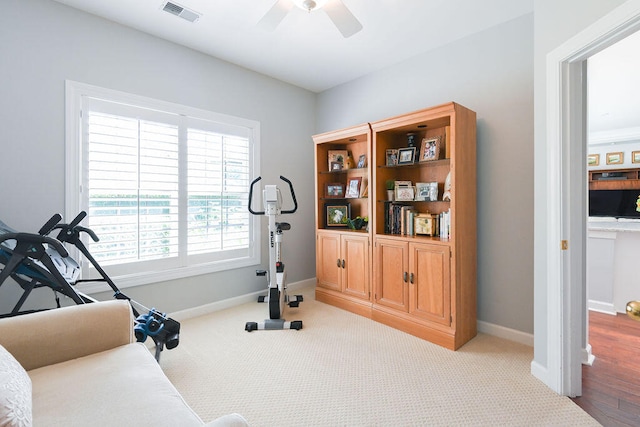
(334, 190)
(430, 149)
(594, 159)
(353, 188)
(339, 156)
(426, 191)
(337, 214)
(426, 224)
(406, 156)
(392, 156)
(405, 193)
(335, 166)
(635, 157)
(616, 158)
(362, 161)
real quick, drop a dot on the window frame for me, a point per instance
(75, 94)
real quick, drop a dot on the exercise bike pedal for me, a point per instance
(251, 326)
(296, 324)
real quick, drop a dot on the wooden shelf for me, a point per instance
(614, 179)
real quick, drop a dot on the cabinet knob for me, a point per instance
(342, 263)
(404, 277)
(338, 263)
(411, 278)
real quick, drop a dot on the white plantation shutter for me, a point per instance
(165, 190)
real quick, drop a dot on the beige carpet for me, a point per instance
(345, 370)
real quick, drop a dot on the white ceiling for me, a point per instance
(614, 92)
(306, 49)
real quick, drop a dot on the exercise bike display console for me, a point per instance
(276, 275)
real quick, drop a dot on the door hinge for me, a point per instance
(564, 245)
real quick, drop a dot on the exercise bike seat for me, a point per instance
(283, 226)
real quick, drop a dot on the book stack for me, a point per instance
(445, 224)
(399, 218)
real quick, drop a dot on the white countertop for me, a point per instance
(613, 224)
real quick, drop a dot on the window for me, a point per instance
(165, 186)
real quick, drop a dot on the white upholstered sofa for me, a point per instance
(80, 366)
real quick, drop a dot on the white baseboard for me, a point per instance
(602, 307)
(506, 333)
(541, 373)
(232, 302)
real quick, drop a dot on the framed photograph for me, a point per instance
(594, 159)
(615, 158)
(426, 191)
(337, 214)
(426, 224)
(392, 156)
(362, 161)
(430, 149)
(405, 194)
(406, 155)
(338, 156)
(335, 166)
(353, 187)
(635, 157)
(334, 190)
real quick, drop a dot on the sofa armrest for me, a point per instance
(53, 336)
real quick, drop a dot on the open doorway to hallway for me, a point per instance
(611, 386)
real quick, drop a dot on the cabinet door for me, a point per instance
(391, 274)
(430, 290)
(328, 261)
(355, 275)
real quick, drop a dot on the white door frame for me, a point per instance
(566, 194)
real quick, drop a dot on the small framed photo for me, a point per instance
(337, 214)
(427, 191)
(334, 190)
(392, 156)
(405, 194)
(335, 166)
(635, 157)
(615, 158)
(430, 149)
(362, 161)
(353, 187)
(339, 156)
(594, 159)
(426, 224)
(406, 155)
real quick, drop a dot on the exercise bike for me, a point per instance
(276, 296)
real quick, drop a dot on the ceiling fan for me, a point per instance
(341, 17)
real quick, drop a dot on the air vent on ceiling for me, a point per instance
(180, 11)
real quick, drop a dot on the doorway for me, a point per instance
(565, 239)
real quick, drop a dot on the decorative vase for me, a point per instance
(390, 195)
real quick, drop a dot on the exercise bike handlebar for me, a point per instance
(293, 196)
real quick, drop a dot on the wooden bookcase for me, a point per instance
(343, 255)
(422, 284)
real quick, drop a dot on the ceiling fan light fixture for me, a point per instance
(309, 5)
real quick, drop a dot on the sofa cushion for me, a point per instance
(119, 387)
(15, 392)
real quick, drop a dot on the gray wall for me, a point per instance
(555, 23)
(44, 43)
(492, 73)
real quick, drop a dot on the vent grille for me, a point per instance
(180, 11)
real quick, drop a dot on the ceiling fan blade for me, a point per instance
(342, 18)
(275, 15)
